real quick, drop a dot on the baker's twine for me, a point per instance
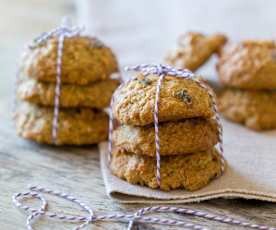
(65, 30)
(162, 71)
(36, 192)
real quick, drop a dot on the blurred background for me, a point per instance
(138, 30)
(20, 22)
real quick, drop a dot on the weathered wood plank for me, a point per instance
(76, 170)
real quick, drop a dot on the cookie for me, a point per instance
(179, 99)
(190, 172)
(85, 60)
(95, 95)
(249, 65)
(75, 126)
(194, 49)
(254, 109)
(176, 138)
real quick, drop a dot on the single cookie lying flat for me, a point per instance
(249, 65)
(84, 60)
(179, 99)
(195, 49)
(75, 126)
(255, 109)
(182, 137)
(190, 172)
(95, 95)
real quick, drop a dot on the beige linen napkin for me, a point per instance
(251, 172)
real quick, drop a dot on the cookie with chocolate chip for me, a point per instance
(179, 99)
(176, 138)
(249, 65)
(190, 172)
(85, 60)
(95, 95)
(194, 49)
(256, 109)
(75, 126)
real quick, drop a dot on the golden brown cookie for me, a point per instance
(95, 95)
(195, 49)
(176, 138)
(255, 109)
(249, 65)
(75, 126)
(85, 60)
(190, 172)
(179, 99)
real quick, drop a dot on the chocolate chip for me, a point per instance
(183, 95)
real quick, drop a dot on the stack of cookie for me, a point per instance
(187, 134)
(248, 72)
(86, 89)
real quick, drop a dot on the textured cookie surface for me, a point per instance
(255, 109)
(194, 49)
(179, 99)
(75, 126)
(84, 60)
(94, 95)
(176, 138)
(249, 65)
(190, 172)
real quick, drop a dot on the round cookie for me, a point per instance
(84, 60)
(176, 138)
(95, 95)
(179, 99)
(249, 65)
(75, 126)
(190, 172)
(195, 49)
(254, 109)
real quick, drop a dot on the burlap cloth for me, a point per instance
(250, 172)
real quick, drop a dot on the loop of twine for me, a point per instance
(35, 192)
(65, 29)
(163, 70)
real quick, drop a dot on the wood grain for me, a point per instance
(76, 170)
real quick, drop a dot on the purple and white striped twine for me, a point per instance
(163, 70)
(62, 32)
(36, 192)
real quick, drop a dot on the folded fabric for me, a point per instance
(250, 173)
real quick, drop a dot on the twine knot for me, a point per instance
(65, 30)
(160, 69)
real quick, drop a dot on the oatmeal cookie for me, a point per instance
(179, 99)
(75, 126)
(255, 109)
(176, 138)
(249, 65)
(85, 60)
(190, 172)
(95, 95)
(195, 49)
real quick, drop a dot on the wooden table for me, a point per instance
(74, 170)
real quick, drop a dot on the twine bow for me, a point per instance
(36, 192)
(162, 71)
